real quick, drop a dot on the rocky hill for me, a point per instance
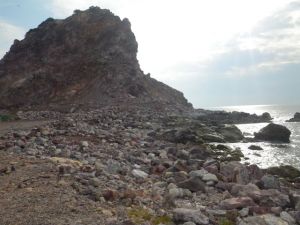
(87, 59)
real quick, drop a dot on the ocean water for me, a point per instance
(274, 154)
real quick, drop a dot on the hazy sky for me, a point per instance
(218, 53)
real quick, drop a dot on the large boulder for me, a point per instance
(284, 171)
(231, 133)
(273, 132)
(296, 118)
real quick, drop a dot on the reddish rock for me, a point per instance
(110, 195)
(237, 203)
(259, 210)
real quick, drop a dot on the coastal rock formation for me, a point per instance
(273, 132)
(296, 118)
(87, 59)
(106, 166)
(223, 117)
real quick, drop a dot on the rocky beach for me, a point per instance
(87, 138)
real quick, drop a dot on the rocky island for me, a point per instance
(87, 138)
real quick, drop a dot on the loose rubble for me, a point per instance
(122, 159)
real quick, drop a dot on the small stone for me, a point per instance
(190, 215)
(287, 217)
(198, 173)
(255, 147)
(210, 177)
(236, 203)
(84, 144)
(107, 213)
(189, 223)
(244, 212)
(113, 166)
(270, 182)
(194, 184)
(139, 174)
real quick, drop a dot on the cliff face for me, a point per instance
(88, 58)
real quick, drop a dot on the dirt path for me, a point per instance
(19, 125)
(30, 194)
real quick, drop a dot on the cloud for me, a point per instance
(8, 33)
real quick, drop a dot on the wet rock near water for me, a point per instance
(296, 118)
(273, 132)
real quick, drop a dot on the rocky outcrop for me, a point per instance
(296, 118)
(87, 59)
(224, 117)
(273, 132)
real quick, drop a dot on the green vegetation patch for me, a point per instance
(6, 117)
(140, 215)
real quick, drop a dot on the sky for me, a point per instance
(218, 53)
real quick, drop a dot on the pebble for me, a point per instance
(139, 174)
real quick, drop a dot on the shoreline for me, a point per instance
(160, 160)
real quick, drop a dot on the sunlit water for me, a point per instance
(273, 154)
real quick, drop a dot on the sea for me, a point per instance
(274, 154)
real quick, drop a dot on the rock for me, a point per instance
(255, 147)
(266, 116)
(266, 219)
(249, 190)
(273, 132)
(71, 77)
(200, 153)
(182, 154)
(288, 218)
(295, 198)
(190, 215)
(180, 136)
(270, 182)
(296, 216)
(194, 184)
(210, 177)
(273, 198)
(296, 118)
(236, 203)
(228, 170)
(213, 138)
(284, 171)
(189, 223)
(179, 193)
(139, 174)
(198, 173)
(84, 144)
(231, 133)
(113, 166)
(244, 212)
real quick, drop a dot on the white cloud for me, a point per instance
(172, 32)
(8, 33)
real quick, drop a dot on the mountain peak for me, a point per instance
(89, 58)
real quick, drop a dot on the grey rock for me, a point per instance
(236, 203)
(266, 219)
(255, 147)
(288, 218)
(210, 177)
(270, 182)
(113, 166)
(139, 174)
(231, 133)
(198, 173)
(179, 193)
(190, 215)
(273, 132)
(189, 223)
(194, 184)
(244, 212)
